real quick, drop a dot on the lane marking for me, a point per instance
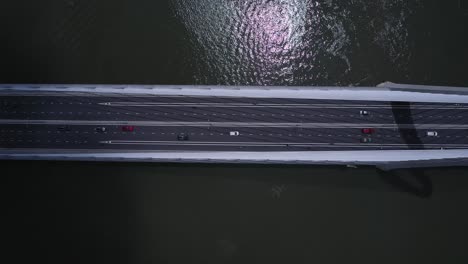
(270, 143)
(279, 105)
(274, 144)
(231, 124)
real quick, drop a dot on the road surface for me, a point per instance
(78, 121)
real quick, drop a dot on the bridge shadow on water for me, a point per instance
(414, 182)
(417, 182)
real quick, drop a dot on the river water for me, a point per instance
(296, 42)
(245, 42)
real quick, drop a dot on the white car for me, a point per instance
(234, 133)
(432, 134)
(364, 112)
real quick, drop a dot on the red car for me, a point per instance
(128, 128)
(368, 131)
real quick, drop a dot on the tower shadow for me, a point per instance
(417, 183)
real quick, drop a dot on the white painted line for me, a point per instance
(292, 144)
(304, 105)
(233, 124)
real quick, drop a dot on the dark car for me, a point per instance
(128, 128)
(368, 131)
(63, 128)
(100, 129)
(182, 137)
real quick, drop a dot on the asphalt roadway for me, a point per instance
(74, 121)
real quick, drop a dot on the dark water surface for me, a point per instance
(148, 213)
(260, 42)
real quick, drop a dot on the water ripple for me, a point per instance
(292, 42)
